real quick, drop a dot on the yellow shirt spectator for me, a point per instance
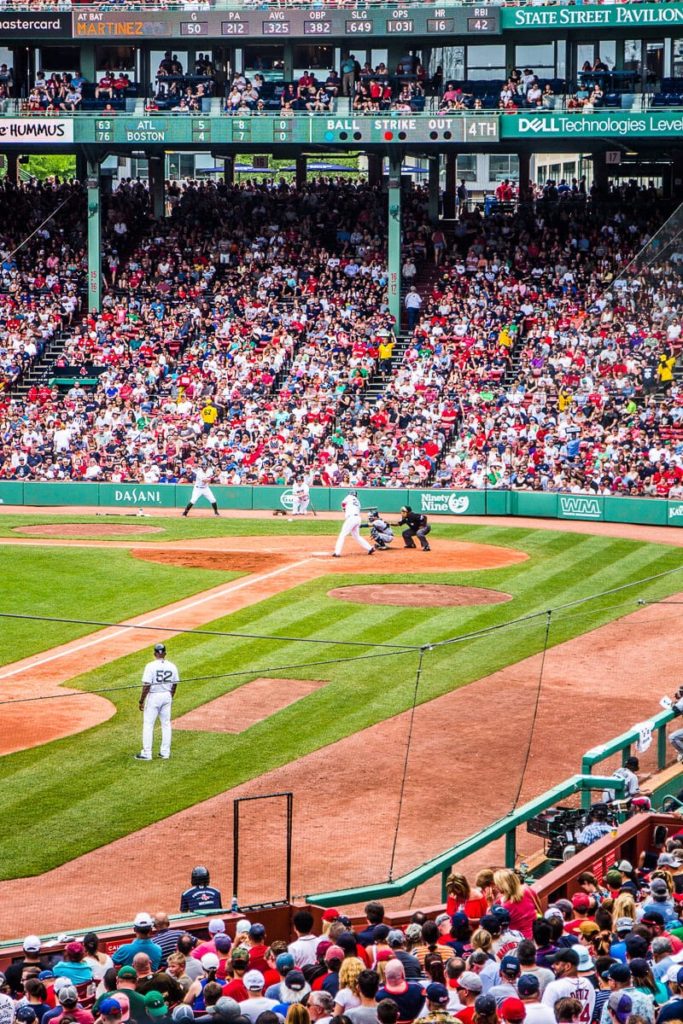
(209, 414)
(564, 400)
(665, 370)
(386, 349)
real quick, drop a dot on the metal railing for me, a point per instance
(442, 864)
(623, 744)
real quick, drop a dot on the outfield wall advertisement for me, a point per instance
(143, 497)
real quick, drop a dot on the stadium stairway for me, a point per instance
(41, 370)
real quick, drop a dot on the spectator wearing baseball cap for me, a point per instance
(31, 948)
(508, 973)
(156, 1008)
(660, 902)
(619, 981)
(70, 1007)
(568, 984)
(397, 942)
(644, 980)
(334, 958)
(582, 907)
(224, 1011)
(619, 1008)
(662, 956)
(257, 1003)
(284, 963)
(126, 982)
(470, 986)
(367, 986)
(529, 991)
(292, 989)
(216, 927)
(512, 1010)
(673, 1010)
(110, 1011)
(437, 998)
(407, 995)
(239, 960)
(143, 943)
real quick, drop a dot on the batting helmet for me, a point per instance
(160, 648)
(406, 508)
(200, 875)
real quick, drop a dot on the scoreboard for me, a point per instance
(252, 24)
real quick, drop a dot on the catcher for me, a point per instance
(380, 531)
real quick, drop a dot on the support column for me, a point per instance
(94, 237)
(81, 166)
(374, 170)
(288, 61)
(434, 169)
(156, 186)
(300, 177)
(449, 191)
(229, 170)
(524, 176)
(12, 161)
(88, 62)
(394, 238)
(600, 173)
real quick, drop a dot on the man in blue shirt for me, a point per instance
(142, 943)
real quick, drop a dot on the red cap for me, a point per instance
(512, 1009)
(331, 914)
(581, 901)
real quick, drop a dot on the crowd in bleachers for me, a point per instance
(610, 954)
(249, 324)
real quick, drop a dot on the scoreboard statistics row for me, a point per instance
(248, 25)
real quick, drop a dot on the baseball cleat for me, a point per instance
(336, 556)
(427, 548)
(371, 551)
(164, 757)
(141, 757)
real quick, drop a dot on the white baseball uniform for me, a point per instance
(351, 525)
(161, 676)
(201, 486)
(301, 495)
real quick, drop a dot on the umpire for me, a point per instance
(416, 526)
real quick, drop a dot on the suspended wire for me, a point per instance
(206, 632)
(217, 675)
(42, 225)
(560, 607)
(534, 717)
(409, 740)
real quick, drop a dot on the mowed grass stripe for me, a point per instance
(84, 583)
(50, 826)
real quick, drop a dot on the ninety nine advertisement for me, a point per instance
(45, 131)
(599, 124)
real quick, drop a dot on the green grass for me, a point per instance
(83, 583)
(109, 795)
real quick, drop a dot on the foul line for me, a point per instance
(109, 635)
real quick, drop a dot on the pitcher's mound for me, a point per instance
(419, 595)
(86, 529)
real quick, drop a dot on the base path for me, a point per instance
(350, 789)
(275, 564)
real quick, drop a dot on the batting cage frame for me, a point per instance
(288, 798)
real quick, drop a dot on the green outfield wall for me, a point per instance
(648, 511)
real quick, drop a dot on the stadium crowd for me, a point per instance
(247, 326)
(612, 954)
